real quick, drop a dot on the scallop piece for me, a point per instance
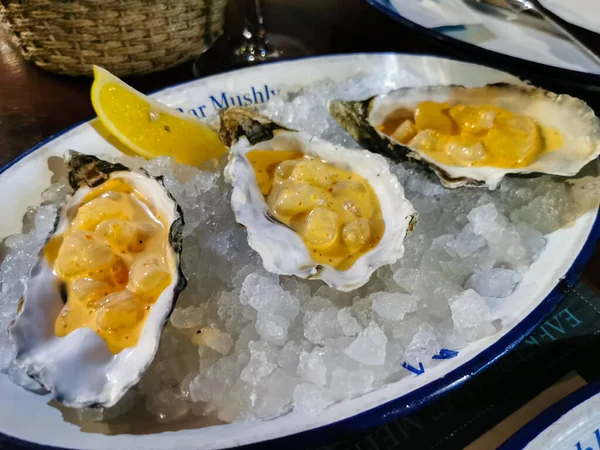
(84, 332)
(326, 212)
(566, 126)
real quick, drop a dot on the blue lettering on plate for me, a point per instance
(224, 99)
(597, 435)
(445, 354)
(198, 112)
(414, 370)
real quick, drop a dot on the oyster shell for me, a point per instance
(281, 248)
(79, 368)
(576, 122)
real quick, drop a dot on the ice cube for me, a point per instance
(317, 303)
(203, 389)
(312, 399)
(6, 350)
(44, 221)
(235, 404)
(393, 306)
(56, 193)
(350, 384)
(469, 309)
(394, 356)
(272, 328)
(337, 298)
(275, 396)
(247, 335)
(350, 326)
(321, 325)
(431, 287)
(466, 242)
(423, 346)
(289, 358)
(261, 364)
(189, 317)
(369, 346)
(265, 294)
(361, 309)
(494, 282)
(282, 384)
(532, 239)
(504, 242)
(312, 367)
(297, 288)
(486, 220)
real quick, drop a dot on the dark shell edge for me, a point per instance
(239, 122)
(89, 170)
(352, 117)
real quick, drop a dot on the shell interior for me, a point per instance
(574, 119)
(281, 248)
(78, 368)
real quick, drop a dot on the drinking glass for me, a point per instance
(253, 45)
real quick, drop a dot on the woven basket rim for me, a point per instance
(125, 36)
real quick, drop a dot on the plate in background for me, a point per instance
(498, 35)
(553, 61)
(583, 13)
(572, 423)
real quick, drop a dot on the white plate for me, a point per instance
(573, 423)
(512, 39)
(23, 181)
(584, 13)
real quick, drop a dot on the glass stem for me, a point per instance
(250, 44)
(254, 28)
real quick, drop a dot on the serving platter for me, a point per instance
(558, 267)
(499, 43)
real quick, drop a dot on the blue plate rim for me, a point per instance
(549, 416)
(416, 399)
(585, 80)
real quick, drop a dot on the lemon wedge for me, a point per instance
(149, 128)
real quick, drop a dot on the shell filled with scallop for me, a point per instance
(103, 287)
(311, 208)
(476, 136)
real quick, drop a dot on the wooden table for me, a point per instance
(35, 104)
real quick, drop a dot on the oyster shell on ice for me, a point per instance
(310, 208)
(103, 287)
(476, 136)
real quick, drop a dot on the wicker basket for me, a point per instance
(124, 36)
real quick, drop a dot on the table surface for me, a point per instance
(35, 104)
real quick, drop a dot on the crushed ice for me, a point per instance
(246, 344)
